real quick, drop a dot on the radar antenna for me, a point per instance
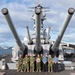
(38, 2)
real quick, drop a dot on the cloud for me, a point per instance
(21, 17)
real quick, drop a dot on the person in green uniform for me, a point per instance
(26, 63)
(50, 64)
(32, 60)
(20, 64)
(38, 60)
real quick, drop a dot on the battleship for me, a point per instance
(39, 42)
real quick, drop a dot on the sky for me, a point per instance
(21, 17)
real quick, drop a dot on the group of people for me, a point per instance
(37, 63)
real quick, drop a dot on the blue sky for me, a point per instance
(21, 17)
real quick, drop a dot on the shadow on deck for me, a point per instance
(14, 72)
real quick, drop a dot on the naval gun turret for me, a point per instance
(22, 47)
(56, 44)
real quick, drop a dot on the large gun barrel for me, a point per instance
(38, 26)
(62, 30)
(30, 41)
(10, 23)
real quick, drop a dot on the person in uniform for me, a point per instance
(20, 64)
(32, 60)
(55, 64)
(26, 63)
(45, 60)
(41, 56)
(38, 60)
(50, 63)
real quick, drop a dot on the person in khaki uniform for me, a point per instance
(32, 60)
(26, 63)
(20, 64)
(50, 63)
(38, 61)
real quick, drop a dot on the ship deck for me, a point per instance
(14, 72)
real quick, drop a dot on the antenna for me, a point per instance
(38, 2)
(31, 8)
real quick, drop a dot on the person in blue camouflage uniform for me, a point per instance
(55, 64)
(41, 56)
(45, 60)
